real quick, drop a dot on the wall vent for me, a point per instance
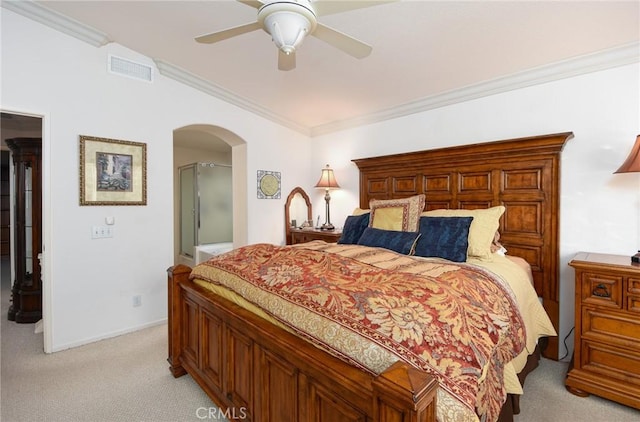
(130, 69)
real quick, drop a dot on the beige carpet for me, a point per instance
(546, 399)
(124, 379)
(127, 379)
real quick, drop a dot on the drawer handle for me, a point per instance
(601, 291)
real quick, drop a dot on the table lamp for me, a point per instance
(327, 181)
(631, 165)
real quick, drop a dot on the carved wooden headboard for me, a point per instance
(521, 174)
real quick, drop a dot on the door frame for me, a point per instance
(46, 223)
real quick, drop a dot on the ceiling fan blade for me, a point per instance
(286, 61)
(344, 42)
(253, 3)
(228, 33)
(330, 7)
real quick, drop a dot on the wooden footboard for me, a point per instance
(259, 372)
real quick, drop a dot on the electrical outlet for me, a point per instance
(137, 301)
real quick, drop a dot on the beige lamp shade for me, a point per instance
(327, 179)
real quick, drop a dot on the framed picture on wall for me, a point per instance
(112, 172)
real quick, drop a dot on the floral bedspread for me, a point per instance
(455, 321)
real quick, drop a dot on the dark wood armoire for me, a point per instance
(26, 291)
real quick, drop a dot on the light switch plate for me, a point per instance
(101, 232)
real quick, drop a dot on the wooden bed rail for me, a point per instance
(253, 369)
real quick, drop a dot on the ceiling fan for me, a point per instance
(290, 21)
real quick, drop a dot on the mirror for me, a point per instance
(298, 208)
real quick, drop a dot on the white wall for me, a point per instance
(89, 284)
(600, 211)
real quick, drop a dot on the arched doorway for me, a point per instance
(209, 143)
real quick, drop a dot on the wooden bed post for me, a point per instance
(404, 394)
(175, 275)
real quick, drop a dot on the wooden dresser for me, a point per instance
(303, 236)
(606, 360)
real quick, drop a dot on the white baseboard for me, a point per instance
(108, 335)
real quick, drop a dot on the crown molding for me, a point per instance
(58, 21)
(580, 65)
(606, 59)
(174, 72)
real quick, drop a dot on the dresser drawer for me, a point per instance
(599, 324)
(602, 289)
(634, 286)
(633, 304)
(611, 362)
(304, 236)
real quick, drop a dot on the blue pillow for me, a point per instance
(353, 228)
(401, 242)
(444, 237)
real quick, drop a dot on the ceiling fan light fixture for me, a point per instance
(287, 30)
(288, 23)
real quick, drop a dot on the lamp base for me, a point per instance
(327, 226)
(635, 259)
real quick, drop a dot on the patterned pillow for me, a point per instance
(444, 237)
(353, 228)
(482, 231)
(401, 242)
(396, 214)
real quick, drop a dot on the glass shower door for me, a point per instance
(215, 223)
(206, 213)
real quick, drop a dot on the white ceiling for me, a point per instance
(421, 49)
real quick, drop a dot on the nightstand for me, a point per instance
(303, 236)
(606, 359)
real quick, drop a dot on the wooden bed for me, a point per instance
(256, 371)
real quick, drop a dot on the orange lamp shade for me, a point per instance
(632, 163)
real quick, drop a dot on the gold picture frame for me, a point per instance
(112, 172)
